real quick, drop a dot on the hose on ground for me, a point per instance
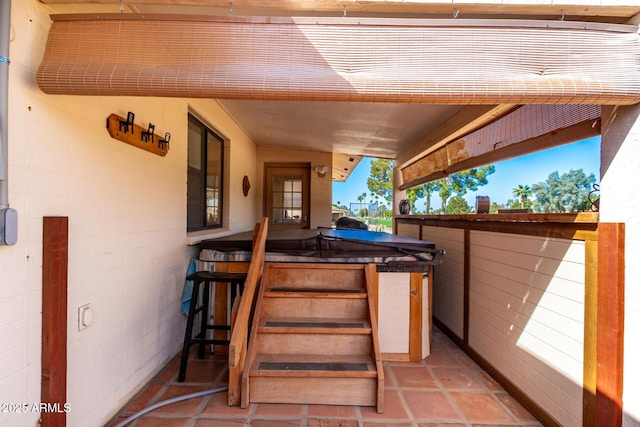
(176, 399)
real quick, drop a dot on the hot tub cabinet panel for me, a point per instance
(404, 315)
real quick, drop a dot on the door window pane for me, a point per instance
(287, 199)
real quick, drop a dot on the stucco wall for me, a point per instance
(128, 249)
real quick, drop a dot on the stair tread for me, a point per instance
(302, 325)
(282, 291)
(314, 322)
(285, 288)
(313, 365)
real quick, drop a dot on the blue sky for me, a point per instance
(526, 170)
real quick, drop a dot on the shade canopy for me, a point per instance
(448, 61)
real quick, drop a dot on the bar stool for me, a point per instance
(236, 281)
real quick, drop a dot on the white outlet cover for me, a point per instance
(85, 316)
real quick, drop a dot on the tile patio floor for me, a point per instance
(444, 389)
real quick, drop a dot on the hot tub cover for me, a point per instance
(389, 251)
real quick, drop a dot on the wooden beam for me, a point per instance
(610, 351)
(468, 119)
(55, 254)
(563, 226)
(379, 6)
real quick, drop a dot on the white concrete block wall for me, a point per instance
(620, 202)
(526, 316)
(448, 283)
(128, 250)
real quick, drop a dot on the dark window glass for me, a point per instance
(204, 177)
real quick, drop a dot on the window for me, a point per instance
(204, 177)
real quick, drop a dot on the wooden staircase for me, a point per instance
(314, 337)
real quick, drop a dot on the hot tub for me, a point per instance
(404, 267)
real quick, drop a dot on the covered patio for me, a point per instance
(527, 308)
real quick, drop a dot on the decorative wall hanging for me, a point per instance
(126, 130)
(245, 185)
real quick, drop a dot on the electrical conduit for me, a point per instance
(8, 216)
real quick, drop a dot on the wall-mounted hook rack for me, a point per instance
(136, 135)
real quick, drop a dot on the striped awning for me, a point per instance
(343, 59)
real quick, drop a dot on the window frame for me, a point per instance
(206, 131)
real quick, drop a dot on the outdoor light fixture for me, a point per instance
(321, 171)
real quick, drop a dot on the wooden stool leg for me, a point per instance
(204, 317)
(189, 330)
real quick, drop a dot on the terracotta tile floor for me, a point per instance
(444, 389)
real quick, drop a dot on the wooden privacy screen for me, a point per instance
(343, 59)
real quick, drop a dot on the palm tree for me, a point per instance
(522, 192)
(360, 199)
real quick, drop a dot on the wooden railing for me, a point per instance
(238, 342)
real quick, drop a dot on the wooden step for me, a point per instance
(300, 305)
(307, 342)
(342, 276)
(329, 380)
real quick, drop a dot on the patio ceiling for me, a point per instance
(397, 130)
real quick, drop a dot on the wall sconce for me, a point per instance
(126, 124)
(321, 171)
(164, 142)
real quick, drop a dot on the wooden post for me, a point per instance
(55, 253)
(590, 333)
(415, 317)
(610, 344)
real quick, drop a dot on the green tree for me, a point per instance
(380, 183)
(522, 192)
(566, 193)
(380, 179)
(414, 194)
(495, 207)
(458, 205)
(513, 204)
(459, 183)
(430, 187)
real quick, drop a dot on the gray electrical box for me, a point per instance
(8, 226)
